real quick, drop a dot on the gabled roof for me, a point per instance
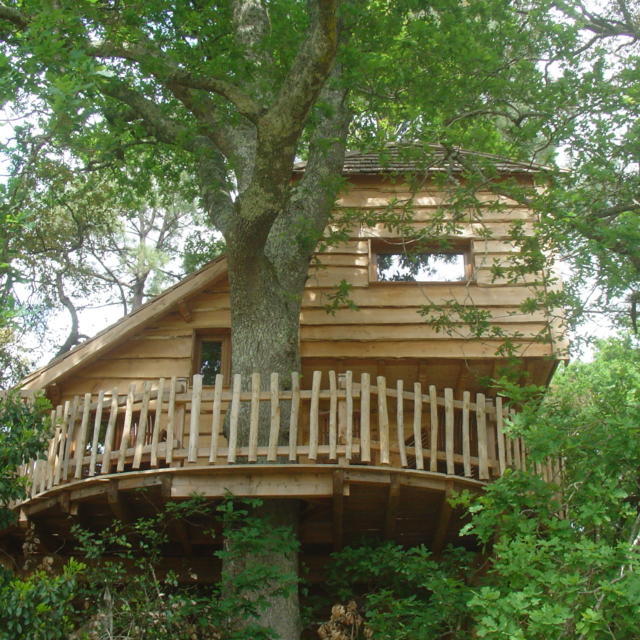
(126, 327)
(409, 158)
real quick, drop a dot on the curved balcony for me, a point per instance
(369, 448)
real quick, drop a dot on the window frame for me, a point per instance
(387, 246)
(212, 335)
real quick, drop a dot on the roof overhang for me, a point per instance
(89, 351)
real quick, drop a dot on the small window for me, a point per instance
(421, 267)
(439, 265)
(210, 360)
(212, 356)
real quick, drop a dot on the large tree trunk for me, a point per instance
(282, 615)
(265, 311)
(267, 274)
(265, 320)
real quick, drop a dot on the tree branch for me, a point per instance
(308, 71)
(171, 74)
(157, 124)
(74, 334)
(13, 16)
(302, 224)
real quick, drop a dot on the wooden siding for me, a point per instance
(387, 328)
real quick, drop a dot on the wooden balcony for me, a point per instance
(169, 425)
(369, 448)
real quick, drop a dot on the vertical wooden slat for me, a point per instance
(215, 418)
(171, 421)
(466, 441)
(32, 475)
(126, 430)
(42, 474)
(383, 419)
(491, 436)
(517, 461)
(400, 422)
(254, 420)
(39, 473)
(62, 442)
(293, 419)
(348, 390)
(417, 424)
(178, 429)
(523, 451)
(70, 439)
(313, 415)
(105, 466)
(433, 445)
(502, 461)
(142, 424)
(333, 416)
(449, 444)
(481, 417)
(97, 423)
(274, 424)
(51, 457)
(82, 436)
(233, 422)
(157, 422)
(57, 453)
(37, 477)
(365, 418)
(194, 422)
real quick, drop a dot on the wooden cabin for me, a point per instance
(389, 414)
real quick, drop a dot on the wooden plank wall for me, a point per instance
(385, 336)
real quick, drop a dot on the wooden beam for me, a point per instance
(338, 509)
(185, 311)
(176, 528)
(117, 505)
(444, 518)
(67, 505)
(393, 500)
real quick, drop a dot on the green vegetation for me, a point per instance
(560, 560)
(557, 560)
(24, 431)
(116, 588)
(115, 102)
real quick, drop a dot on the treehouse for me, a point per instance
(388, 415)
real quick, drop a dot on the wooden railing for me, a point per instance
(169, 423)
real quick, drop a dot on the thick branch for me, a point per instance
(74, 334)
(308, 71)
(297, 230)
(13, 16)
(167, 72)
(156, 123)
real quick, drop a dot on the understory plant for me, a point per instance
(120, 589)
(553, 560)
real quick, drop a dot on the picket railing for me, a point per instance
(170, 422)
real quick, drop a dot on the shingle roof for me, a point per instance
(399, 158)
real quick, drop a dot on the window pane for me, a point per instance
(210, 360)
(420, 267)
